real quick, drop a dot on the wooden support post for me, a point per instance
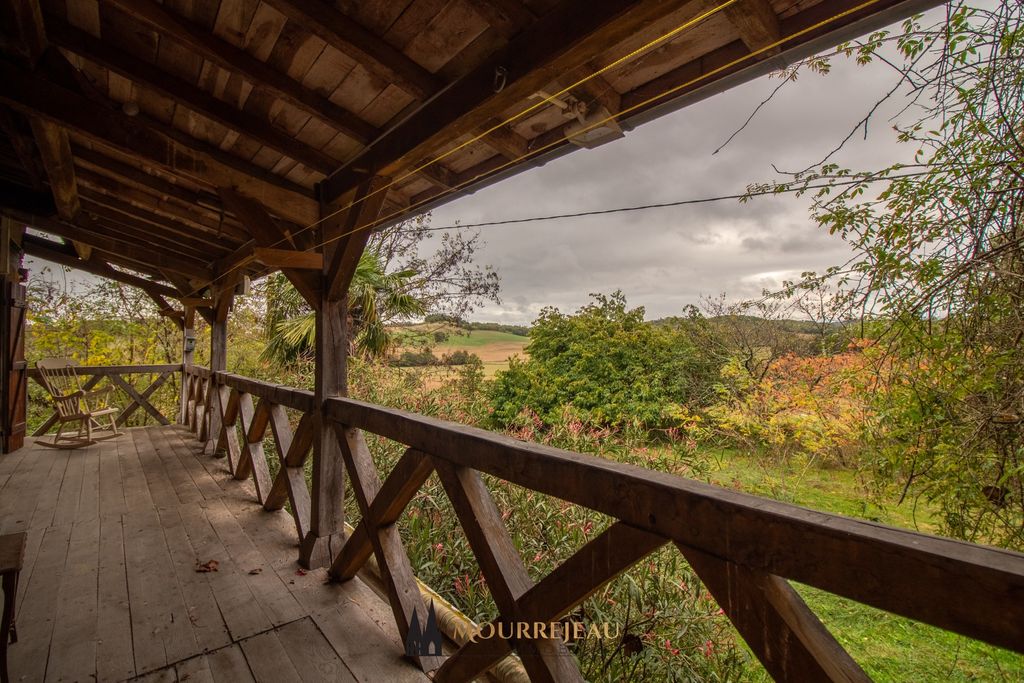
(218, 361)
(343, 234)
(327, 504)
(188, 354)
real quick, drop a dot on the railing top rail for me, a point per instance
(299, 399)
(281, 394)
(104, 370)
(974, 590)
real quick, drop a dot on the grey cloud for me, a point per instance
(665, 259)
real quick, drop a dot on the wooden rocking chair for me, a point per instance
(73, 404)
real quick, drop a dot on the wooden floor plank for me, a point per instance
(115, 660)
(369, 654)
(273, 595)
(47, 496)
(136, 488)
(160, 488)
(184, 487)
(70, 495)
(37, 610)
(112, 494)
(207, 622)
(9, 464)
(206, 484)
(89, 502)
(74, 631)
(241, 612)
(195, 670)
(312, 656)
(161, 630)
(228, 665)
(269, 660)
(165, 675)
(19, 502)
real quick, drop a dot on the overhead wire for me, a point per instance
(536, 152)
(680, 202)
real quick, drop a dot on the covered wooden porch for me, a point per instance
(186, 147)
(110, 589)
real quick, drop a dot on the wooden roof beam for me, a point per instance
(354, 228)
(564, 39)
(50, 139)
(266, 233)
(35, 95)
(237, 60)
(44, 249)
(55, 150)
(756, 22)
(373, 52)
(108, 243)
(20, 135)
(276, 259)
(112, 224)
(197, 232)
(105, 190)
(198, 100)
(23, 21)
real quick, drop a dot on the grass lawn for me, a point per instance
(890, 648)
(494, 348)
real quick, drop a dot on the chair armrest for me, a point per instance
(73, 394)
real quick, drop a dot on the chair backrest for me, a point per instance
(59, 376)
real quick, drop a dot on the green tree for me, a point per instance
(375, 298)
(939, 265)
(606, 366)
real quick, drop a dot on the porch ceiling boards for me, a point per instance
(123, 122)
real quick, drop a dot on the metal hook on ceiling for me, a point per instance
(500, 78)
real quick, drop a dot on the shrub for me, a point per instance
(607, 366)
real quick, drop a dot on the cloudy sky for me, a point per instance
(665, 259)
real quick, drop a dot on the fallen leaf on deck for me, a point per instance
(206, 567)
(256, 571)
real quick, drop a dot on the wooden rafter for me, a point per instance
(757, 24)
(116, 243)
(341, 32)
(37, 96)
(349, 37)
(198, 100)
(561, 40)
(189, 235)
(204, 220)
(349, 240)
(40, 248)
(96, 159)
(241, 62)
(266, 233)
(20, 135)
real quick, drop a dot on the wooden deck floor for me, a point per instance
(109, 591)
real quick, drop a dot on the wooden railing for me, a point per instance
(744, 548)
(115, 375)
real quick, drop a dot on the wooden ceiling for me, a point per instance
(143, 134)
